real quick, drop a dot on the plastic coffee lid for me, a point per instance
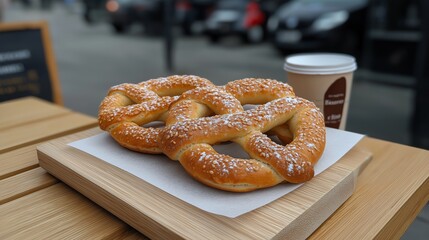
(320, 63)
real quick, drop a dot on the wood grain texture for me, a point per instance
(390, 193)
(18, 161)
(19, 136)
(25, 183)
(24, 123)
(57, 212)
(27, 110)
(160, 215)
(29, 120)
(32, 203)
(131, 234)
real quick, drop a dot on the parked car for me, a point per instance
(191, 14)
(269, 7)
(93, 10)
(305, 25)
(236, 17)
(124, 13)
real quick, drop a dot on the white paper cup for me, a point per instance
(325, 79)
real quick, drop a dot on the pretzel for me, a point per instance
(128, 107)
(190, 132)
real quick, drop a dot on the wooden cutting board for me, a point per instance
(160, 215)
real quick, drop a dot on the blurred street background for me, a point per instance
(97, 44)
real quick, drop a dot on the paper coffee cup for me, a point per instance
(325, 79)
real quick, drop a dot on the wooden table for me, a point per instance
(390, 193)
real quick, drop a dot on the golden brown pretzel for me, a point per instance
(188, 136)
(259, 91)
(128, 107)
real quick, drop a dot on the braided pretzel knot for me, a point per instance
(128, 107)
(188, 136)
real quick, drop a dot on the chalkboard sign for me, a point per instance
(27, 64)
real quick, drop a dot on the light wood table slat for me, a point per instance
(390, 193)
(57, 212)
(131, 234)
(25, 183)
(18, 161)
(32, 203)
(20, 136)
(26, 111)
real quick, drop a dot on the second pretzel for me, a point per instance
(191, 131)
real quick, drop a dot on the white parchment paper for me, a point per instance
(169, 176)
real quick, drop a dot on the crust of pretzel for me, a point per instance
(270, 163)
(128, 107)
(189, 140)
